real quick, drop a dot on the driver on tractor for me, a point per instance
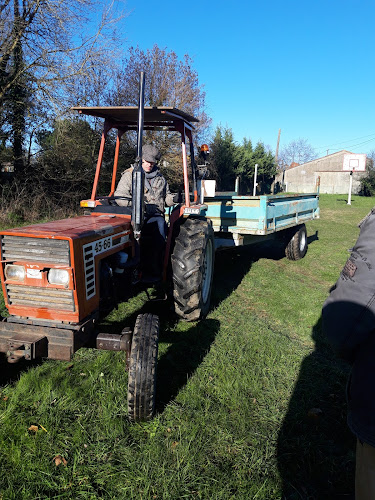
(156, 195)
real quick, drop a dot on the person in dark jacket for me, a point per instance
(348, 321)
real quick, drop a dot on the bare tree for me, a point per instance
(58, 40)
(370, 160)
(169, 82)
(298, 151)
(49, 52)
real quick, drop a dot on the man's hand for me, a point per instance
(177, 197)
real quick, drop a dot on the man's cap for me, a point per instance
(150, 153)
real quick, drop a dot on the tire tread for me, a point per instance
(292, 249)
(187, 261)
(142, 368)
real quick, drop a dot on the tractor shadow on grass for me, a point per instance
(182, 358)
(316, 450)
(232, 265)
(189, 348)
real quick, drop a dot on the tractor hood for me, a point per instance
(76, 227)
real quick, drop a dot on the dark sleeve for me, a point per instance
(348, 316)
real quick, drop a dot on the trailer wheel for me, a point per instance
(297, 246)
(193, 268)
(142, 368)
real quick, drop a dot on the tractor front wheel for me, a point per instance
(142, 368)
(193, 268)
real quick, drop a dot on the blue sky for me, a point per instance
(305, 67)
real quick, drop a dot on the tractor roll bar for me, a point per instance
(128, 118)
(107, 128)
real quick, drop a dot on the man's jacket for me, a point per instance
(157, 193)
(348, 321)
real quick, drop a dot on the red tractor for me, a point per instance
(59, 278)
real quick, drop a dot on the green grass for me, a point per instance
(234, 393)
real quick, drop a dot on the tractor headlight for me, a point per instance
(58, 277)
(14, 272)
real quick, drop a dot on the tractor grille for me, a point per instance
(35, 250)
(33, 296)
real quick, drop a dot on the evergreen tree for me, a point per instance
(247, 158)
(368, 181)
(223, 159)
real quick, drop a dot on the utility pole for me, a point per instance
(276, 161)
(277, 147)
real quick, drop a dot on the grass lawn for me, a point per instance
(250, 401)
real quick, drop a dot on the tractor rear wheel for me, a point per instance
(142, 368)
(297, 246)
(193, 268)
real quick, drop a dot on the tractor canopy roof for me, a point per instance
(126, 117)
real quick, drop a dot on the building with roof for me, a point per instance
(329, 169)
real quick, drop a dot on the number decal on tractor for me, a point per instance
(102, 245)
(192, 211)
(90, 250)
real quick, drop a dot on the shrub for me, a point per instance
(368, 184)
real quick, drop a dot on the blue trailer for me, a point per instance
(242, 220)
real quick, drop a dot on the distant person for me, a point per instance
(349, 323)
(156, 196)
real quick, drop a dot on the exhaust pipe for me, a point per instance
(138, 174)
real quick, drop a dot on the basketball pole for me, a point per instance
(350, 188)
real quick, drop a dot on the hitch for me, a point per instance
(26, 346)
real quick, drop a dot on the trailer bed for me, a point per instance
(260, 215)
